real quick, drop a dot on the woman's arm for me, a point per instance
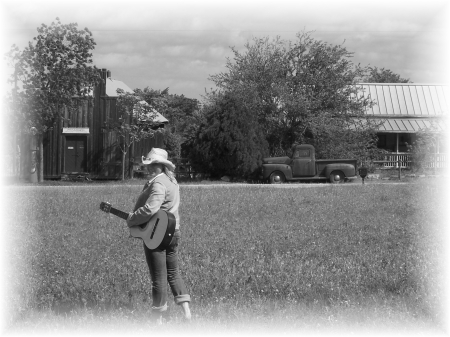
(152, 205)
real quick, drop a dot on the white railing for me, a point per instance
(394, 159)
(437, 160)
(406, 160)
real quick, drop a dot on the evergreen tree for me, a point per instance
(229, 142)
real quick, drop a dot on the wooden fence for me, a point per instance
(184, 170)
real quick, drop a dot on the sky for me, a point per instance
(179, 44)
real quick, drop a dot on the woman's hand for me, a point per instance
(129, 217)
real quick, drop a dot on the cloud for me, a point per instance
(183, 42)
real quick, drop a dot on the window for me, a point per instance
(301, 153)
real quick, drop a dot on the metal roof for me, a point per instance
(411, 125)
(111, 91)
(158, 118)
(407, 99)
(112, 86)
(408, 107)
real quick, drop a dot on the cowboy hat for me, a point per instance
(158, 156)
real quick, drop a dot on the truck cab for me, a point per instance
(302, 161)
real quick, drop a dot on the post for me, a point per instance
(33, 160)
(15, 111)
(363, 173)
(40, 157)
(131, 162)
(399, 168)
(396, 146)
(434, 163)
(16, 168)
(18, 156)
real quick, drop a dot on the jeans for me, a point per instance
(163, 266)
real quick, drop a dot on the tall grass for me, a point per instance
(331, 254)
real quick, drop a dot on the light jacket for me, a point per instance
(158, 193)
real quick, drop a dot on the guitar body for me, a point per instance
(157, 233)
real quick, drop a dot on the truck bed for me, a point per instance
(322, 163)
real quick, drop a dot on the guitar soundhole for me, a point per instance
(154, 229)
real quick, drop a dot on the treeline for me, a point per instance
(274, 94)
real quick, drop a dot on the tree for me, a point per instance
(159, 99)
(156, 98)
(383, 76)
(54, 69)
(135, 121)
(428, 143)
(227, 141)
(300, 92)
(181, 113)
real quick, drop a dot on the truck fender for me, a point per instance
(348, 169)
(268, 169)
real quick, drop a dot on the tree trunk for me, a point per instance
(24, 156)
(123, 165)
(33, 169)
(41, 158)
(131, 162)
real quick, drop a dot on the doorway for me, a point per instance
(75, 154)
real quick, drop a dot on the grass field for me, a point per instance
(260, 259)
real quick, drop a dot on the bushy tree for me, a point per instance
(383, 76)
(172, 143)
(428, 142)
(48, 74)
(228, 142)
(155, 98)
(135, 122)
(181, 113)
(300, 92)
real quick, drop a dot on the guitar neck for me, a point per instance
(119, 213)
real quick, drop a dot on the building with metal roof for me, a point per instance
(406, 109)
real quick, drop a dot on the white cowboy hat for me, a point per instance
(158, 156)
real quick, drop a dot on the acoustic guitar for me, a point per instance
(156, 233)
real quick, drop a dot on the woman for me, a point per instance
(162, 192)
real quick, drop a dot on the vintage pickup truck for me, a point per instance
(303, 166)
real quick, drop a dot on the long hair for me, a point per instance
(170, 174)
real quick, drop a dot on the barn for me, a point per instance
(82, 144)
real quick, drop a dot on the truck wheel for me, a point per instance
(277, 177)
(337, 177)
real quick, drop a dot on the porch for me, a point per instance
(398, 146)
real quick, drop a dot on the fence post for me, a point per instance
(434, 164)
